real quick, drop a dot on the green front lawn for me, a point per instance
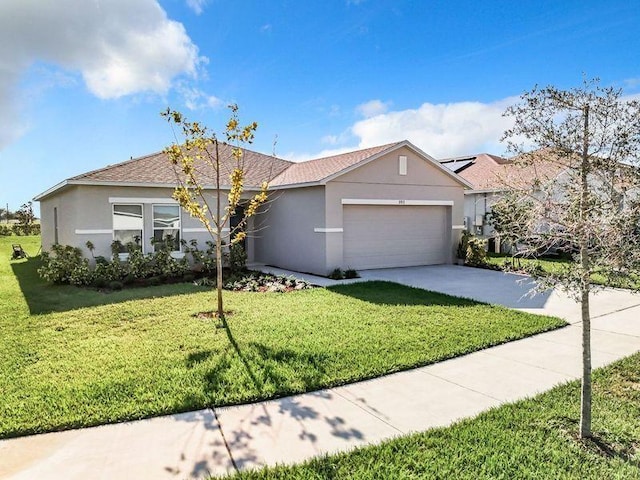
(76, 357)
(531, 439)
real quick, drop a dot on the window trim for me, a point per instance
(113, 234)
(153, 228)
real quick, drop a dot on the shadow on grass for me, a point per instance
(42, 297)
(267, 367)
(602, 443)
(390, 293)
(274, 368)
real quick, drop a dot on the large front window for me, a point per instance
(128, 225)
(166, 225)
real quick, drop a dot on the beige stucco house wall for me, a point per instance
(85, 213)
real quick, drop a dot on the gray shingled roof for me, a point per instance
(156, 169)
(321, 168)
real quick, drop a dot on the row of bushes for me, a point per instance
(19, 229)
(66, 264)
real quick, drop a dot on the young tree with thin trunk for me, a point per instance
(200, 154)
(589, 207)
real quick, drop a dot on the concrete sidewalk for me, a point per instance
(292, 429)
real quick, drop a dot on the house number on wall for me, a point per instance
(401, 202)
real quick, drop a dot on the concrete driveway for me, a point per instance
(508, 289)
(489, 286)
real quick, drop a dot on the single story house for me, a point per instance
(490, 175)
(386, 206)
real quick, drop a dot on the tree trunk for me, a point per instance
(219, 239)
(219, 273)
(585, 394)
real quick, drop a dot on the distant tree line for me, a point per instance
(23, 221)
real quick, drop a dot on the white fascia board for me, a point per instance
(328, 230)
(51, 190)
(295, 185)
(488, 190)
(457, 227)
(376, 201)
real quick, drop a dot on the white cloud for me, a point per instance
(441, 130)
(196, 5)
(329, 139)
(196, 99)
(266, 28)
(372, 108)
(120, 47)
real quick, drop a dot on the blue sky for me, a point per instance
(82, 82)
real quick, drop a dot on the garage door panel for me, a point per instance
(379, 236)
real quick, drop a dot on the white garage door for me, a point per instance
(381, 236)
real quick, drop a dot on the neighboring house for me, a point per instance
(386, 206)
(490, 175)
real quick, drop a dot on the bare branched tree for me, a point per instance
(575, 186)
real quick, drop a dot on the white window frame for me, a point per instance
(113, 235)
(153, 228)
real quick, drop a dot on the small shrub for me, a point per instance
(115, 285)
(100, 260)
(263, 282)
(237, 258)
(351, 273)
(162, 261)
(5, 231)
(461, 253)
(204, 282)
(138, 265)
(336, 274)
(476, 252)
(154, 281)
(65, 265)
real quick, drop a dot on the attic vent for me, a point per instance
(402, 165)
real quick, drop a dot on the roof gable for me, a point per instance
(322, 170)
